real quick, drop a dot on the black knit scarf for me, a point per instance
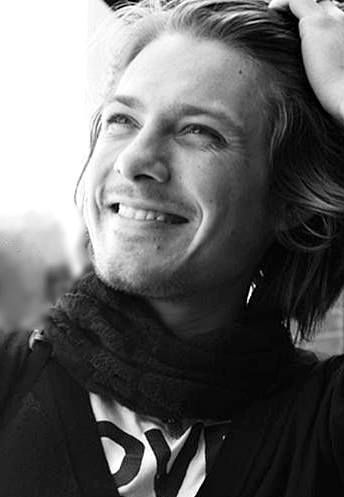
(114, 345)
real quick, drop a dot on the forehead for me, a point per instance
(178, 69)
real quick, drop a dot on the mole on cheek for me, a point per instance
(157, 245)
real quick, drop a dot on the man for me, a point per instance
(214, 201)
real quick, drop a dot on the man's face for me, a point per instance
(176, 190)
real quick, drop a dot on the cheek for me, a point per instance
(95, 177)
(216, 186)
(234, 197)
(96, 170)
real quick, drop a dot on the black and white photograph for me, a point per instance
(172, 248)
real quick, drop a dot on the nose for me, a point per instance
(144, 158)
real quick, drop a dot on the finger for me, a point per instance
(300, 8)
(324, 4)
(328, 6)
(279, 4)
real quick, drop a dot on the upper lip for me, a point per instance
(147, 206)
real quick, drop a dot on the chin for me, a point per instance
(142, 280)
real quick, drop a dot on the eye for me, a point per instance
(204, 134)
(117, 123)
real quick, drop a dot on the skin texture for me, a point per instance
(207, 165)
(322, 39)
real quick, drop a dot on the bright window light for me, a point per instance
(43, 121)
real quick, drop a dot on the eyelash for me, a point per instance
(218, 143)
(113, 119)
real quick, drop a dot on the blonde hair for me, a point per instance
(304, 268)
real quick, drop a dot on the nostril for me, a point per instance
(141, 166)
(143, 176)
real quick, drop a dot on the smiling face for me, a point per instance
(176, 189)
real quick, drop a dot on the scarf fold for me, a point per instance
(114, 345)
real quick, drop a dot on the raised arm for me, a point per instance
(321, 29)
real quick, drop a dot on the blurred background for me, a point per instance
(51, 68)
(45, 107)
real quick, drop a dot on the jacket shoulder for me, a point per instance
(14, 352)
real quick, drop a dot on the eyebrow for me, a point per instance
(184, 109)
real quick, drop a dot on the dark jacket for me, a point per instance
(289, 445)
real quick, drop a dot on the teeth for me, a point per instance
(141, 214)
(150, 216)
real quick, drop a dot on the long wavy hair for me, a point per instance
(302, 273)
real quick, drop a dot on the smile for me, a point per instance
(143, 215)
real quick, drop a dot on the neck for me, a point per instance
(202, 313)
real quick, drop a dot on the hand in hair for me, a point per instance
(322, 39)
